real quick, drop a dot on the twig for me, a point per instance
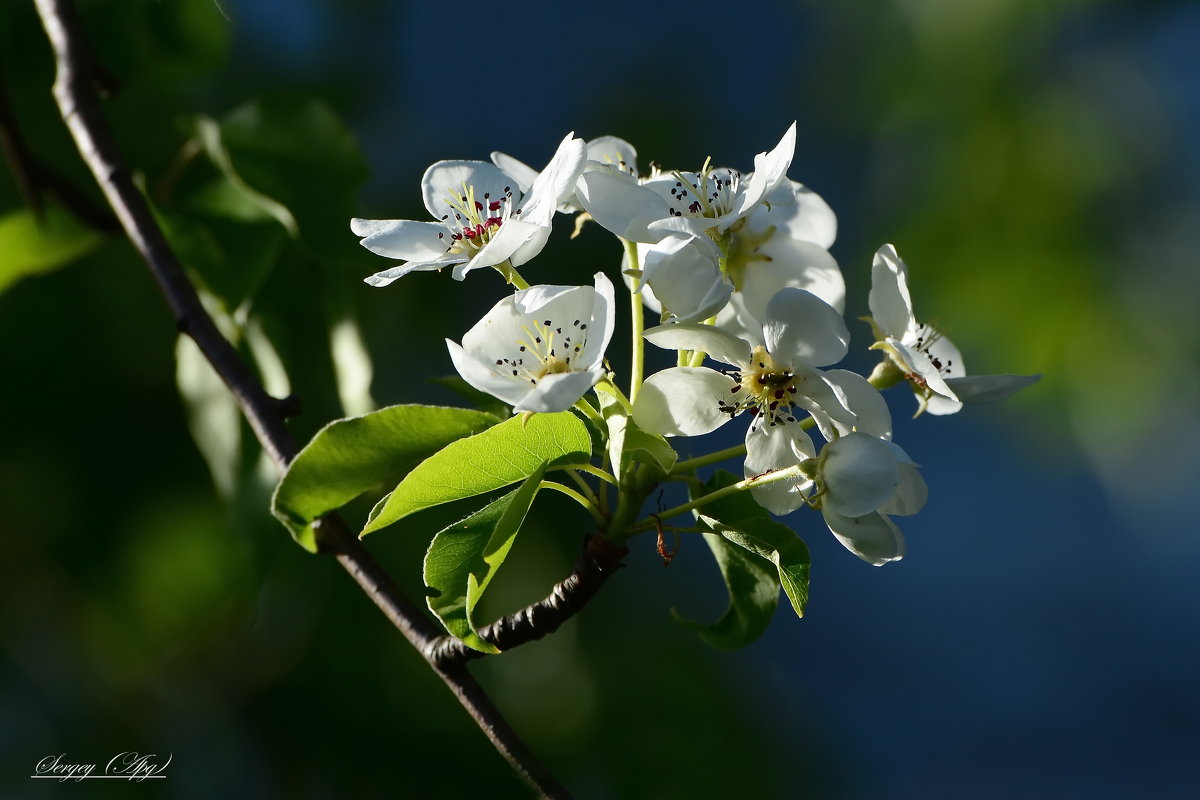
(80, 110)
(599, 560)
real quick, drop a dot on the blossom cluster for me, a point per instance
(737, 268)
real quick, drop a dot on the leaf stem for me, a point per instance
(588, 505)
(586, 490)
(712, 458)
(637, 357)
(591, 470)
(765, 479)
(586, 408)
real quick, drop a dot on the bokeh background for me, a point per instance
(1036, 163)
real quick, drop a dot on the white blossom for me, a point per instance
(708, 201)
(801, 333)
(609, 154)
(783, 243)
(922, 354)
(541, 348)
(481, 218)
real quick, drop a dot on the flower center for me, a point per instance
(927, 336)
(766, 389)
(709, 193)
(473, 221)
(547, 349)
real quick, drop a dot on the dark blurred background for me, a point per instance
(1036, 164)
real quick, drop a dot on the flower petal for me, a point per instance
(770, 170)
(521, 173)
(443, 183)
(722, 346)
(889, 300)
(401, 238)
(776, 447)
(860, 474)
(380, 279)
(915, 362)
(823, 399)
(865, 401)
(513, 235)
(910, 495)
(613, 152)
(555, 183)
(558, 392)
(873, 537)
(603, 321)
(620, 206)
(484, 378)
(683, 401)
(685, 276)
(776, 264)
(801, 328)
(797, 212)
(989, 388)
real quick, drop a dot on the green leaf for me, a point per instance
(213, 415)
(627, 442)
(295, 151)
(756, 556)
(29, 246)
(464, 557)
(350, 456)
(505, 454)
(775, 543)
(617, 420)
(747, 524)
(753, 595)
(211, 138)
(229, 257)
(352, 364)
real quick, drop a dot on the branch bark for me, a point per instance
(599, 560)
(80, 109)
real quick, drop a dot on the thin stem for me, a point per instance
(637, 357)
(586, 408)
(712, 458)
(584, 489)
(697, 356)
(511, 276)
(80, 109)
(766, 479)
(577, 497)
(591, 469)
